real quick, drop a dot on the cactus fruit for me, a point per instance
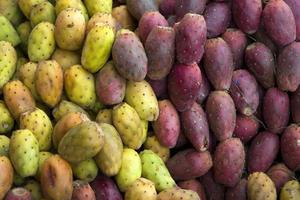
(103, 19)
(290, 191)
(97, 47)
(19, 193)
(137, 8)
(6, 119)
(80, 86)
(105, 188)
(4, 145)
(177, 194)
(56, 179)
(8, 32)
(153, 144)
(81, 142)
(23, 152)
(195, 186)
(260, 187)
(82, 191)
(104, 116)
(6, 178)
(109, 159)
(129, 125)
(86, 170)
(61, 5)
(66, 58)
(70, 29)
(123, 17)
(131, 169)
(42, 12)
(141, 97)
(27, 5)
(34, 188)
(11, 10)
(154, 169)
(8, 61)
(141, 189)
(43, 156)
(24, 30)
(65, 107)
(96, 6)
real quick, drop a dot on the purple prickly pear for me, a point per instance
(183, 7)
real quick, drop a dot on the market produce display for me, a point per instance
(149, 99)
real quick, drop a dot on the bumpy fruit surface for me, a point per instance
(6, 119)
(82, 191)
(141, 189)
(65, 107)
(96, 6)
(177, 194)
(34, 188)
(24, 30)
(8, 32)
(6, 178)
(66, 58)
(11, 10)
(290, 191)
(104, 116)
(86, 170)
(26, 5)
(4, 145)
(43, 156)
(153, 144)
(61, 5)
(104, 19)
(42, 12)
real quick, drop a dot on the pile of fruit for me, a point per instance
(149, 99)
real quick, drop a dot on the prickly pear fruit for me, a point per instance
(41, 42)
(24, 30)
(65, 107)
(34, 188)
(86, 170)
(160, 49)
(110, 86)
(104, 116)
(105, 188)
(177, 194)
(19, 193)
(153, 144)
(154, 169)
(190, 38)
(43, 156)
(97, 47)
(129, 56)
(96, 6)
(260, 187)
(280, 174)
(141, 189)
(8, 32)
(66, 58)
(27, 5)
(11, 10)
(42, 12)
(183, 7)
(195, 186)
(238, 192)
(103, 19)
(81, 142)
(6, 178)
(246, 127)
(82, 191)
(131, 169)
(49, 82)
(6, 119)
(8, 61)
(79, 86)
(61, 5)
(183, 85)
(23, 152)
(138, 8)
(213, 189)
(70, 29)
(4, 145)
(129, 125)
(40, 125)
(109, 159)
(123, 17)
(290, 191)
(56, 179)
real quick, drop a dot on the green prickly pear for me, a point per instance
(86, 170)
(8, 32)
(145, 125)
(104, 116)
(102, 18)
(11, 10)
(18, 180)
(153, 144)
(80, 86)
(154, 169)
(141, 189)
(70, 29)
(65, 107)
(97, 47)
(141, 97)
(8, 61)
(109, 159)
(18, 98)
(81, 142)
(177, 194)
(49, 82)
(131, 169)
(24, 30)
(61, 5)
(66, 58)
(27, 5)
(98, 6)
(6, 178)
(41, 42)
(42, 12)
(43, 156)
(23, 152)
(6, 119)
(4, 145)
(129, 125)
(38, 122)
(34, 188)
(21, 61)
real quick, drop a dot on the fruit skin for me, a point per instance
(123, 17)
(229, 161)
(4, 145)
(260, 61)
(131, 66)
(192, 164)
(213, 189)
(277, 103)
(260, 187)
(183, 7)
(109, 159)
(246, 127)
(218, 63)
(56, 179)
(81, 142)
(141, 189)
(104, 116)
(11, 10)
(43, 11)
(97, 47)
(43, 156)
(26, 6)
(262, 152)
(66, 58)
(138, 8)
(167, 7)
(244, 92)
(195, 126)
(8, 32)
(86, 170)
(8, 61)
(190, 38)
(153, 144)
(222, 114)
(160, 87)
(154, 169)
(131, 169)
(104, 19)
(24, 30)
(160, 50)
(288, 77)
(65, 107)
(82, 191)
(238, 192)
(177, 194)
(129, 125)
(61, 5)
(110, 86)
(295, 108)
(102, 6)
(23, 152)
(6, 119)
(295, 6)
(34, 188)
(217, 17)
(195, 186)
(81, 94)
(280, 174)
(6, 179)
(70, 37)
(41, 42)
(290, 190)
(183, 85)
(105, 188)
(19, 193)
